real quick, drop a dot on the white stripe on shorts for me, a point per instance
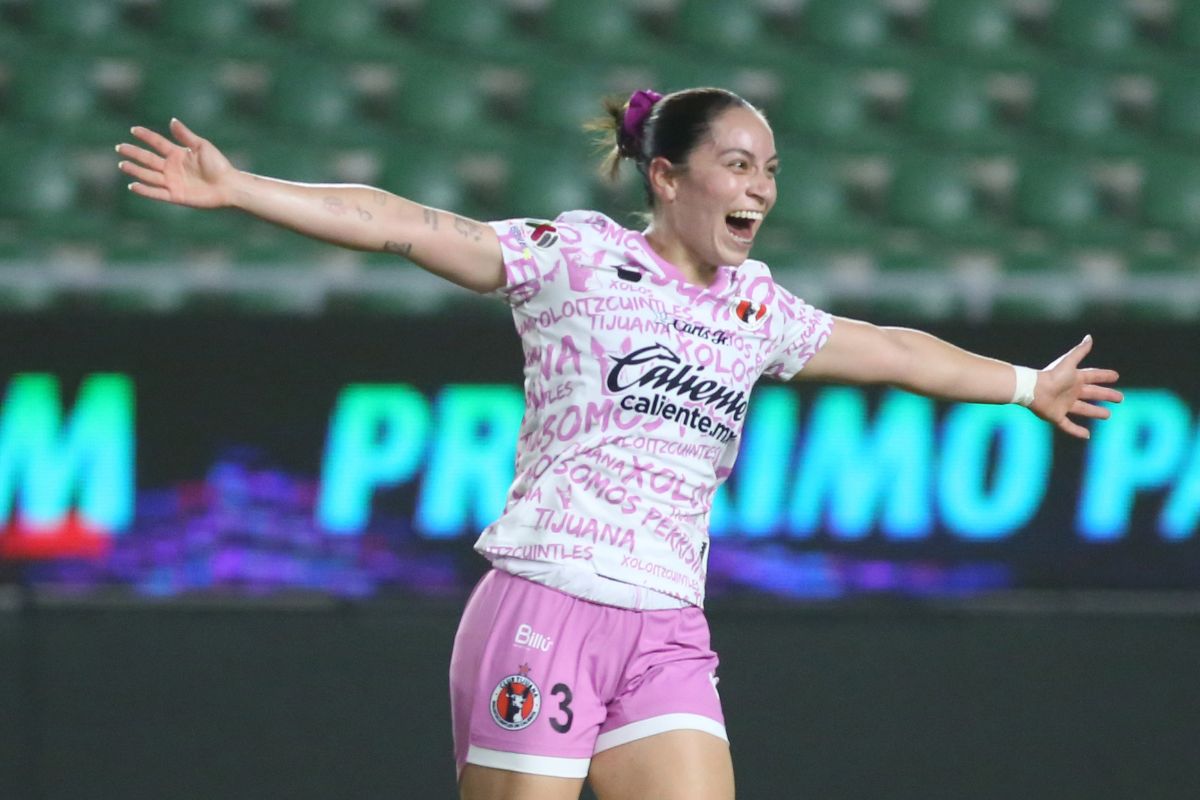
(535, 765)
(667, 722)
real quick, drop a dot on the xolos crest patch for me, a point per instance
(516, 701)
(749, 314)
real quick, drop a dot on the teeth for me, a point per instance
(747, 214)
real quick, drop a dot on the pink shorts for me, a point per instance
(540, 680)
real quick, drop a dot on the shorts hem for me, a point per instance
(553, 766)
(660, 724)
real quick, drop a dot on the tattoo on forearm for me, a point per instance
(400, 248)
(468, 230)
(431, 218)
(334, 205)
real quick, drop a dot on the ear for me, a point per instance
(663, 180)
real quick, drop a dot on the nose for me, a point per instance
(762, 188)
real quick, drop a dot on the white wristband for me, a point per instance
(1026, 383)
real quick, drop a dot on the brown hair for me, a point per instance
(675, 125)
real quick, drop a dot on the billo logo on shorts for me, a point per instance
(515, 702)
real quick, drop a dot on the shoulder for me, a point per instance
(568, 228)
(595, 227)
(752, 268)
(754, 282)
(753, 276)
(585, 218)
(587, 237)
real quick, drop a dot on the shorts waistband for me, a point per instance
(587, 585)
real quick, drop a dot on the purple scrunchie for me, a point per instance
(640, 104)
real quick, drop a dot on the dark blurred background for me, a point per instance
(240, 472)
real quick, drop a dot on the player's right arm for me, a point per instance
(195, 173)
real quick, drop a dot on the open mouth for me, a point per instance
(742, 225)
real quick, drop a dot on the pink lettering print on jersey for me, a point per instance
(637, 386)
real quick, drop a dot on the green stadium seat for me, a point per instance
(59, 92)
(1104, 28)
(1171, 194)
(1164, 263)
(931, 293)
(442, 97)
(13, 45)
(1074, 105)
(150, 252)
(1179, 109)
(1164, 268)
(480, 23)
(1036, 263)
(545, 184)
(728, 25)
(189, 90)
(949, 104)
(608, 28)
(354, 27)
(77, 21)
(849, 25)
(38, 183)
(674, 71)
(1031, 290)
(142, 274)
(310, 96)
(921, 262)
(1177, 307)
(428, 176)
(282, 295)
(973, 26)
(931, 193)
(267, 246)
(1187, 26)
(810, 193)
(20, 250)
(822, 102)
(626, 196)
(289, 162)
(1058, 195)
(565, 99)
(209, 24)
(177, 223)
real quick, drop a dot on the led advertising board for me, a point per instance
(356, 455)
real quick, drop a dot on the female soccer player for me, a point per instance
(584, 653)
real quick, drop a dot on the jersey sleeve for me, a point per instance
(534, 264)
(805, 330)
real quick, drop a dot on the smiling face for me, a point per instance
(709, 211)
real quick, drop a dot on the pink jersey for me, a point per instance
(636, 389)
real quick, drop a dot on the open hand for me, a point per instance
(192, 173)
(1063, 388)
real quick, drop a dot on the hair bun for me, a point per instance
(640, 104)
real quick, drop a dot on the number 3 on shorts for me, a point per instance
(564, 706)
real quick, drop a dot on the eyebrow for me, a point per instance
(726, 151)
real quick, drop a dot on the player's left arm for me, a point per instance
(861, 353)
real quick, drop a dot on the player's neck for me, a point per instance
(672, 250)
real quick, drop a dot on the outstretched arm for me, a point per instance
(191, 171)
(858, 352)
